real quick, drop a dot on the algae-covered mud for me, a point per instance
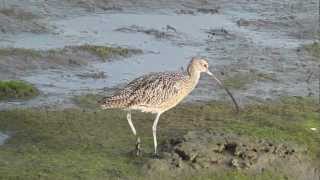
(197, 141)
(16, 90)
(70, 53)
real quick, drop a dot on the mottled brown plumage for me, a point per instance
(150, 93)
(157, 92)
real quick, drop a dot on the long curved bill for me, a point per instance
(226, 89)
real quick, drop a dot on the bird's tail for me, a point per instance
(111, 103)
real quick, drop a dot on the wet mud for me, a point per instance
(255, 47)
(199, 151)
(16, 20)
(240, 40)
(17, 62)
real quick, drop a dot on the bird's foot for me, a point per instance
(138, 147)
(156, 156)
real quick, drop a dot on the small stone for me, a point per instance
(193, 157)
(180, 163)
(235, 163)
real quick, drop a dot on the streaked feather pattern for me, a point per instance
(149, 90)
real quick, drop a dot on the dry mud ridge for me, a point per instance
(199, 151)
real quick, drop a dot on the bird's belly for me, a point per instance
(162, 107)
(148, 109)
(172, 102)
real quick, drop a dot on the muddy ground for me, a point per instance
(256, 48)
(196, 141)
(199, 151)
(17, 62)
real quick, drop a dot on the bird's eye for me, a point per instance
(205, 65)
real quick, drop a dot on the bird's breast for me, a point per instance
(176, 99)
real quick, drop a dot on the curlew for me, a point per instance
(157, 93)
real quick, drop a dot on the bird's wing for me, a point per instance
(123, 97)
(154, 89)
(150, 89)
(157, 88)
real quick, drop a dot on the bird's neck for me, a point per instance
(194, 76)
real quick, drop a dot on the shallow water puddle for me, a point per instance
(3, 138)
(100, 29)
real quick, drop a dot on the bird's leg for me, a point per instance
(154, 132)
(138, 142)
(138, 146)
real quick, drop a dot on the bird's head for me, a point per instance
(199, 65)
